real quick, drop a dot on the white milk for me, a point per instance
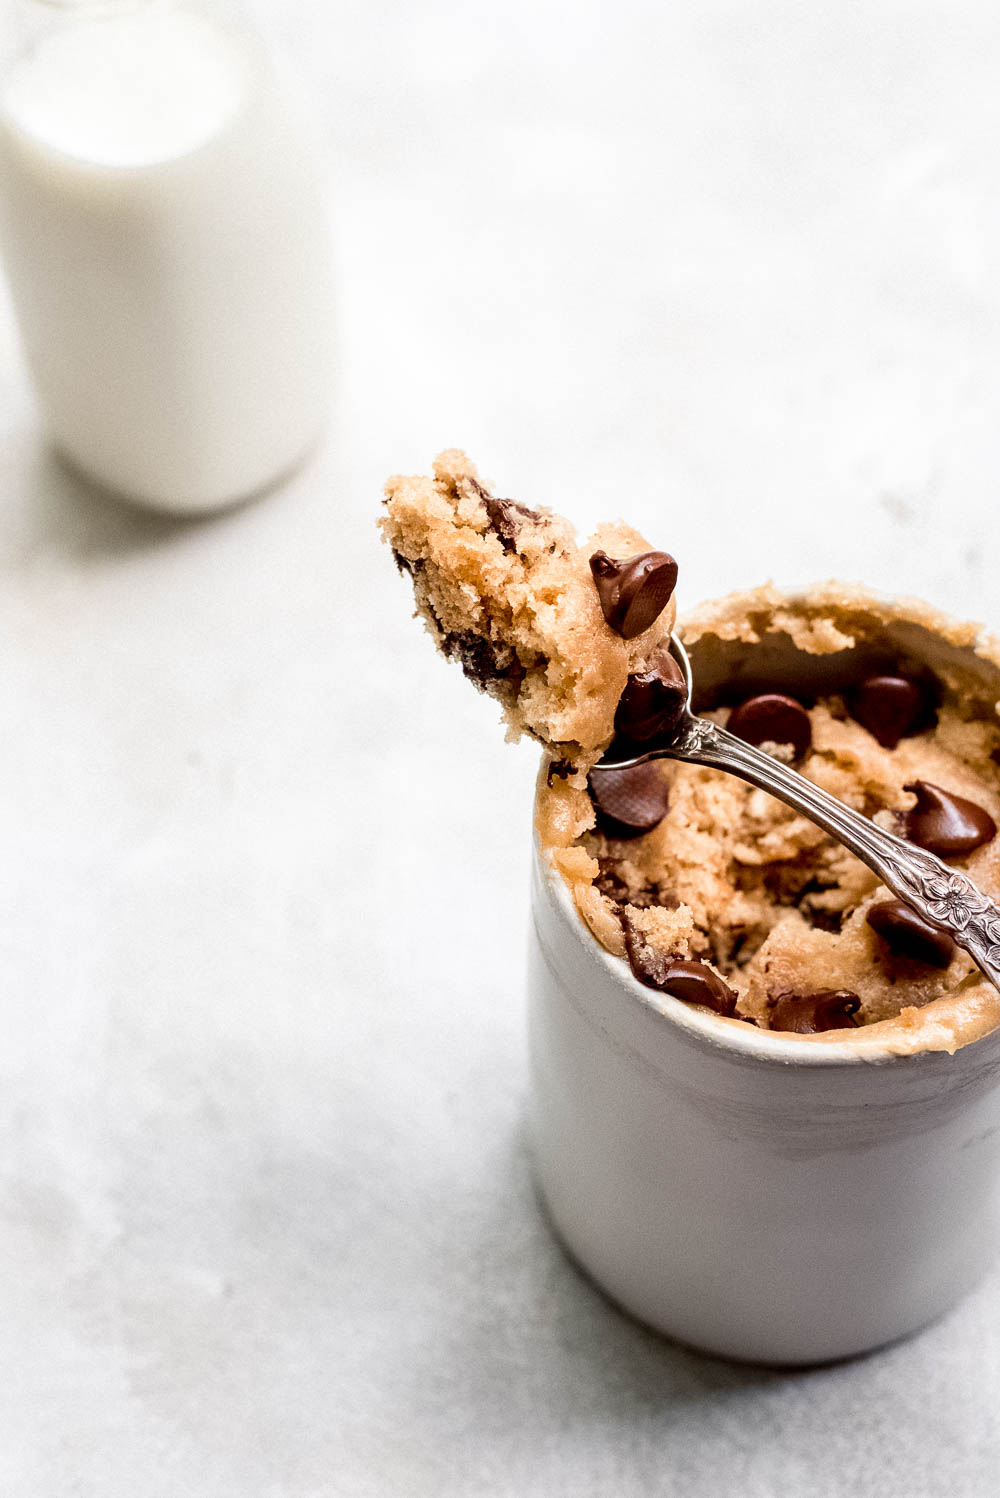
(165, 242)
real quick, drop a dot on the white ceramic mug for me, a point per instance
(745, 1192)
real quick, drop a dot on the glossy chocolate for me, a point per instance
(694, 982)
(481, 660)
(772, 718)
(891, 707)
(811, 1013)
(653, 701)
(634, 592)
(945, 823)
(629, 802)
(907, 934)
(506, 518)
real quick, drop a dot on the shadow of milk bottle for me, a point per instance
(164, 236)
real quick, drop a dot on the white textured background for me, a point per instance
(266, 1224)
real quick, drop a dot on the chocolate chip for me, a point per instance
(694, 982)
(629, 802)
(634, 592)
(772, 718)
(404, 564)
(507, 517)
(609, 882)
(819, 918)
(480, 661)
(944, 823)
(891, 707)
(810, 1013)
(653, 701)
(907, 934)
(654, 894)
(558, 770)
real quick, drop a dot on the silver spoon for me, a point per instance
(944, 896)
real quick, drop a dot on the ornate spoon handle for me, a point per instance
(942, 895)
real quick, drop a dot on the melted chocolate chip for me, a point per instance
(609, 882)
(772, 718)
(654, 894)
(694, 982)
(629, 802)
(506, 517)
(558, 770)
(810, 1013)
(404, 564)
(907, 934)
(479, 660)
(944, 823)
(820, 919)
(653, 701)
(891, 707)
(634, 592)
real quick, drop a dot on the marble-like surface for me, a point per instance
(266, 1221)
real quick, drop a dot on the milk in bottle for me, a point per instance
(165, 241)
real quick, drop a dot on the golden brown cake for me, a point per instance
(509, 593)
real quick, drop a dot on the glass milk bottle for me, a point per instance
(164, 237)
